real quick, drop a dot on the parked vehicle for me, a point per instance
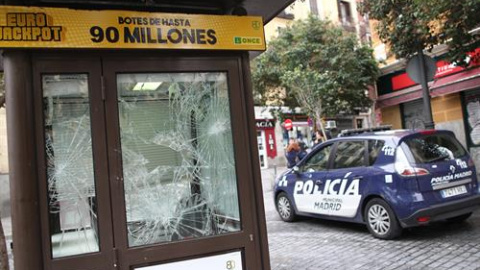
(388, 180)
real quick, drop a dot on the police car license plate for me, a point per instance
(450, 192)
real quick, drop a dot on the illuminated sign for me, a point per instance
(265, 123)
(27, 27)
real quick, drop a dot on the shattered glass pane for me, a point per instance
(70, 175)
(178, 157)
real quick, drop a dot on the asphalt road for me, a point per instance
(311, 244)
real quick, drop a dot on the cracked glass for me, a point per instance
(70, 171)
(178, 156)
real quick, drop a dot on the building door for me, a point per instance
(141, 161)
(262, 150)
(471, 104)
(412, 115)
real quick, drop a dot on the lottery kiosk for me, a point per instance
(132, 141)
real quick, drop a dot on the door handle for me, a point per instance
(319, 182)
(358, 177)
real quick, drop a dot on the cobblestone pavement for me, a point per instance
(311, 244)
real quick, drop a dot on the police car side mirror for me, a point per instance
(296, 169)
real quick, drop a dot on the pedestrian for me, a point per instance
(303, 150)
(292, 153)
(318, 138)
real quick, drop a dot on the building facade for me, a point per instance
(343, 13)
(454, 91)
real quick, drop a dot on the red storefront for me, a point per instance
(267, 146)
(455, 93)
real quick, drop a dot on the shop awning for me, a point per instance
(465, 80)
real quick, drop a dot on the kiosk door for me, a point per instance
(144, 164)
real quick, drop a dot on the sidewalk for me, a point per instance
(268, 179)
(6, 213)
(269, 175)
(7, 228)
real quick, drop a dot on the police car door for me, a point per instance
(310, 181)
(342, 191)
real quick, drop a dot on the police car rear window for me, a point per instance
(435, 147)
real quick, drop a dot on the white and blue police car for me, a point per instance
(388, 180)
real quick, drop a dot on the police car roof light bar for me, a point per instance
(350, 132)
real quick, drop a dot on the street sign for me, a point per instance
(288, 124)
(413, 68)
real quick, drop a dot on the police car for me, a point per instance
(388, 180)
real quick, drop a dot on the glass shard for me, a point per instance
(70, 173)
(178, 156)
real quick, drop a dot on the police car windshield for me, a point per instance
(434, 148)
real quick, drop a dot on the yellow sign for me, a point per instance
(27, 27)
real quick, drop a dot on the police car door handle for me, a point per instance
(319, 182)
(357, 177)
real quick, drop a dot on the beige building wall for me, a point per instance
(326, 10)
(447, 108)
(3, 142)
(380, 49)
(300, 10)
(329, 10)
(448, 114)
(392, 116)
(271, 29)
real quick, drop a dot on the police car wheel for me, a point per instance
(285, 208)
(381, 220)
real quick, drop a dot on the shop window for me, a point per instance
(345, 13)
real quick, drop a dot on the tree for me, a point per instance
(408, 26)
(324, 68)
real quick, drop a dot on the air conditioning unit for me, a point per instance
(331, 124)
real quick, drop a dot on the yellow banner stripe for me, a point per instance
(35, 27)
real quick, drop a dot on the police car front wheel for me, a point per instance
(285, 208)
(381, 220)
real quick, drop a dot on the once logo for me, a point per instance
(256, 25)
(247, 40)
